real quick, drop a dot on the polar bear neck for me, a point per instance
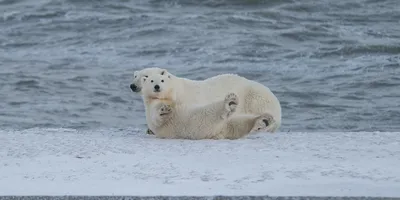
(169, 96)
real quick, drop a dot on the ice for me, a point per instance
(129, 162)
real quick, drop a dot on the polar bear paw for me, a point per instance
(149, 132)
(264, 123)
(230, 103)
(164, 110)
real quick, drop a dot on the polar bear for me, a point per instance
(256, 98)
(214, 120)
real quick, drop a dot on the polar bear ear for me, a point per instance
(164, 72)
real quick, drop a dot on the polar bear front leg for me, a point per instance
(161, 114)
(230, 103)
(264, 123)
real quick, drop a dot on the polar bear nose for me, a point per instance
(157, 87)
(133, 87)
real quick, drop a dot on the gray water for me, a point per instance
(334, 65)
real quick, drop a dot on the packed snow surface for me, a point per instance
(129, 162)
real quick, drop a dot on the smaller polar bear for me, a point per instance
(255, 98)
(211, 121)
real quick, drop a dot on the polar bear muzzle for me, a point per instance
(134, 88)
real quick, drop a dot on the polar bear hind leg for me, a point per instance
(258, 101)
(240, 125)
(217, 111)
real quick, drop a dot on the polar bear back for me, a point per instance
(210, 89)
(254, 97)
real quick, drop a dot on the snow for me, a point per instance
(129, 162)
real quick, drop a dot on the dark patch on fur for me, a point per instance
(266, 122)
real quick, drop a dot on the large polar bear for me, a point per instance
(255, 98)
(213, 120)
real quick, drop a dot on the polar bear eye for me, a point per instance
(162, 81)
(152, 81)
(135, 76)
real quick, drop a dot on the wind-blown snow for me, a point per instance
(129, 162)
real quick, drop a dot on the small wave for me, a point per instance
(17, 103)
(100, 94)
(16, 15)
(348, 51)
(384, 82)
(48, 15)
(218, 3)
(9, 2)
(338, 41)
(18, 44)
(79, 79)
(152, 52)
(248, 21)
(276, 16)
(99, 104)
(117, 99)
(337, 76)
(353, 96)
(10, 15)
(27, 84)
(308, 34)
(305, 7)
(151, 31)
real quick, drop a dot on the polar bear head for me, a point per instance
(136, 85)
(158, 86)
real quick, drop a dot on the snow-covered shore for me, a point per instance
(129, 162)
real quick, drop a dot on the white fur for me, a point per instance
(255, 98)
(168, 119)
